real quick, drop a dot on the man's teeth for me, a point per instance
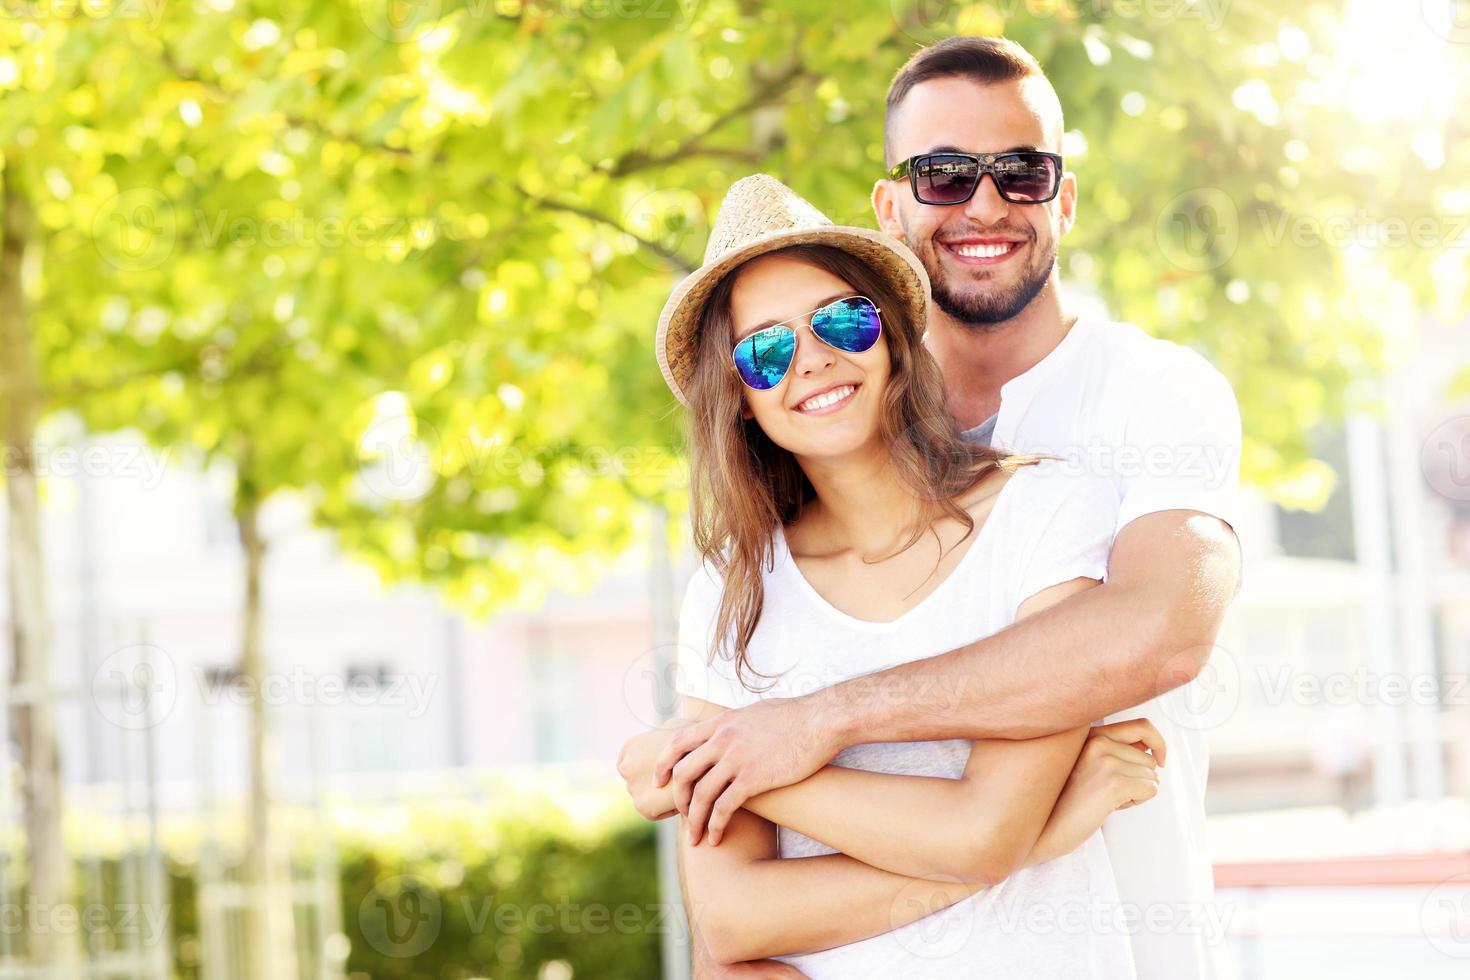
(827, 398)
(984, 251)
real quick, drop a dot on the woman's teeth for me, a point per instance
(826, 398)
(984, 251)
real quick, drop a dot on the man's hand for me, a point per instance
(714, 766)
(636, 763)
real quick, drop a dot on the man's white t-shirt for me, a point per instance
(1055, 921)
(1162, 424)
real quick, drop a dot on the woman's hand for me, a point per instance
(1114, 771)
(636, 764)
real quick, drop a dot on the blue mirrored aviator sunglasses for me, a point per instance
(763, 358)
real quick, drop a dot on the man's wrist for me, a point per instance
(829, 719)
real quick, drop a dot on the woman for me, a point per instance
(846, 527)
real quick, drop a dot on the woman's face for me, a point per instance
(776, 288)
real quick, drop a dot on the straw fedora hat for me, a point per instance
(760, 214)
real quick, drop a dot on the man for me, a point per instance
(973, 191)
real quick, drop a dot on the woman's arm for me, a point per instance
(979, 828)
(745, 903)
(1113, 772)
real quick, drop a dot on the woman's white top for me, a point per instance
(1059, 919)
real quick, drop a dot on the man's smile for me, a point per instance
(983, 251)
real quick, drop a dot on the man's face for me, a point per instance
(987, 258)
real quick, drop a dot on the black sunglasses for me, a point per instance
(1022, 177)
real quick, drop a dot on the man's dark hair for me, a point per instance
(985, 60)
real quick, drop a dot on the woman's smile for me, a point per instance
(828, 400)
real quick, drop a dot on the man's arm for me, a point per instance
(978, 827)
(1147, 630)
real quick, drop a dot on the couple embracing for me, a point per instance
(961, 550)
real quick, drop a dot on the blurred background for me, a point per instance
(345, 507)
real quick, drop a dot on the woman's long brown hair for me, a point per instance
(744, 485)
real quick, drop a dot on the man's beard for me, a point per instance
(993, 307)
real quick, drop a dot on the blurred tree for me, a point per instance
(406, 259)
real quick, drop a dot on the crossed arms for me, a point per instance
(1148, 629)
(1062, 665)
(909, 845)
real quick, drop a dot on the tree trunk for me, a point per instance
(49, 882)
(269, 941)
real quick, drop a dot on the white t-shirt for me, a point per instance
(1045, 527)
(1162, 424)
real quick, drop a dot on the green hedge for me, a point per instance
(592, 905)
(521, 890)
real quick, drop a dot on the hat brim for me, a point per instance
(678, 324)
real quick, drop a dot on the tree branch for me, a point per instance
(662, 251)
(636, 160)
(292, 119)
(264, 359)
